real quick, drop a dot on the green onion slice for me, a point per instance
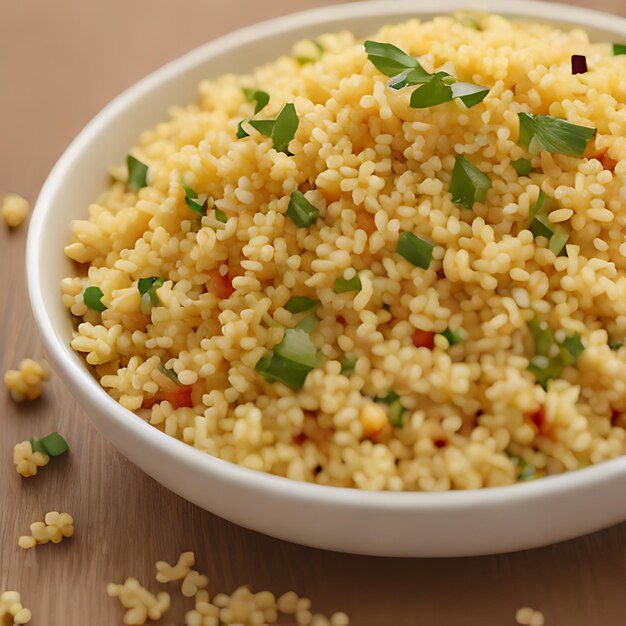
(454, 336)
(414, 76)
(300, 304)
(307, 323)
(256, 95)
(616, 345)
(619, 48)
(291, 360)
(281, 130)
(301, 212)
(348, 365)
(37, 446)
(468, 184)
(544, 132)
(469, 93)
(540, 225)
(137, 174)
(191, 198)
(415, 249)
(220, 216)
(147, 288)
(241, 133)
(522, 167)
(395, 410)
(92, 297)
(551, 355)
(526, 470)
(436, 91)
(389, 59)
(170, 373)
(54, 444)
(342, 285)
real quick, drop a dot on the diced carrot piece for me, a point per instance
(365, 221)
(222, 285)
(424, 339)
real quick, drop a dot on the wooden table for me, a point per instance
(60, 62)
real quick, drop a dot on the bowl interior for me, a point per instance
(81, 174)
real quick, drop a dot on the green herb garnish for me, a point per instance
(307, 323)
(170, 373)
(147, 288)
(37, 446)
(436, 91)
(468, 184)
(453, 336)
(469, 93)
(523, 167)
(92, 297)
(291, 360)
(540, 225)
(137, 174)
(220, 216)
(618, 49)
(616, 345)
(544, 132)
(552, 355)
(470, 22)
(301, 212)
(395, 410)
(54, 444)
(300, 304)
(415, 249)
(196, 203)
(314, 52)
(390, 60)
(526, 470)
(281, 130)
(348, 364)
(256, 95)
(414, 76)
(343, 285)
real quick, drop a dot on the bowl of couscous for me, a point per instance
(353, 277)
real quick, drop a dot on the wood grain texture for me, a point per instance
(60, 61)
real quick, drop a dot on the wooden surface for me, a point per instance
(60, 61)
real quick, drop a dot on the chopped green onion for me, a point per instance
(92, 297)
(170, 373)
(395, 410)
(544, 132)
(281, 130)
(415, 249)
(523, 167)
(469, 93)
(301, 212)
(436, 91)
(37, 446)
(453, 336)
(220, 216)
(390, 60)
(526, 470)
(470, 22)
(54, 444)
(616, 345)
(619, 48)
(256, 95)
(291, 360)
(551, 355)
(190, 200)
(348, 364)
(137, 174)
(300, 304)
(307, 323)
(540, 225)
(468, 184)
(414, 76)
(241, 133)
(147, 288)
(343, 285)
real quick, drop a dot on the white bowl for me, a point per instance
(389, 524)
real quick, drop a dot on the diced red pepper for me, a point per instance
(341, 320)
(222, 285)
(178, 398)
(299, 439)
(424, 339)
(365, 221)
(607, 162)
(537, 419)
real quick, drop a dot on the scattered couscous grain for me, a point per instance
(26, 461)
(11, 609)
(54, 528)
(14, 209)
(141, 603)
(195, 260)
(527, 616)
(25, 383)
